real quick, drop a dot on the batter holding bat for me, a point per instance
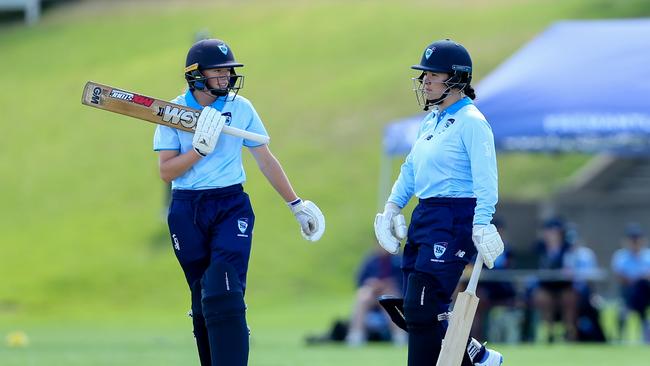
(452, 170)
(210, 217)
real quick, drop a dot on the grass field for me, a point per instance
(162, 347)
(85, 258)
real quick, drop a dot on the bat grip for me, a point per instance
(476, 272)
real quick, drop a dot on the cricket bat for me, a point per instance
(462, 316)
(152, 110)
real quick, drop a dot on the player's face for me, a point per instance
(635, 243)
(552, 237)
(217, 78)
(433, 84)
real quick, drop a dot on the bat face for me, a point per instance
(100, 93)
(455, 342)
(154, 110)
(140, 106)
(462, 317)
(178, 115)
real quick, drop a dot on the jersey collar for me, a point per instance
(192, 103)
(452, 109)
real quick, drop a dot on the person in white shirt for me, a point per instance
(631, 264)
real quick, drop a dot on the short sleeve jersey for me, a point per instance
(223, 167)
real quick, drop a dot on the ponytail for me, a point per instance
(469, 91)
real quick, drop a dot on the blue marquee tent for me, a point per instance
(578, 86)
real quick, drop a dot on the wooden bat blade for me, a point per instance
(460, 324)
(152, 109)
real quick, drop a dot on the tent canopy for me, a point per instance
(579, 86)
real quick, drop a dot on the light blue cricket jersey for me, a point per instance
(631, 266)
(453, 156)
(223, 167)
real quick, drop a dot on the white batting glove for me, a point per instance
(390, 228)
(310, 218)
(488, 243)
(208, 129)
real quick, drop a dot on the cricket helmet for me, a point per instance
(449, 57)
(211, 54)
(443, 56)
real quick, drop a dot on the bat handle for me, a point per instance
(246, 134)
(476, 272)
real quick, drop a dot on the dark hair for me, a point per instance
(469, 91)
(456, 80)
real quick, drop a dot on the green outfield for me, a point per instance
(81, 346)
(84, 255)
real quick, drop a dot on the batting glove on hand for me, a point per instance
(390, 228)
(488, 243)
(208, 129)
(310, 218)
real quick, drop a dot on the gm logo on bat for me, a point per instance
(175, 115)
(97, 92)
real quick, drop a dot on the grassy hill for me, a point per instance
(81, 224)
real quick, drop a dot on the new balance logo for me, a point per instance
(460, 254)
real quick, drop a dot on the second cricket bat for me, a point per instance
(152, 109)
(462, 316)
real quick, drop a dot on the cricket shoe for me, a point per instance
(490, 358)
(481, 355)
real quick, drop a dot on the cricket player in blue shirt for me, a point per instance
(631, 265)
(452, 170)
(210, 217)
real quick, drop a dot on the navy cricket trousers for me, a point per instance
(208, 227)
(438, 247)
(440, 240)
(211, 225)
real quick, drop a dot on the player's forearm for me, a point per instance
(274, 173)
(173, 168)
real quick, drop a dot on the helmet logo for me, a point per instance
(429, 52)
(223, 48)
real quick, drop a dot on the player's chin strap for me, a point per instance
(218, 92)
(434, 102)
(235, 83)
(445, 94)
